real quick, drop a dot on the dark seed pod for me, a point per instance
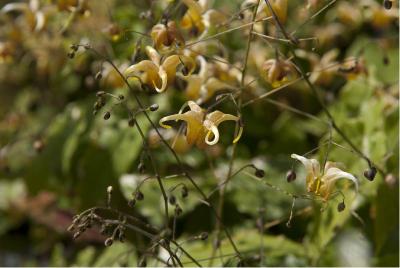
(240, 16)
(121, 97)
(184, 192)
(341, 206)
(98, 76)
(259, 173)
(154, 107)
(132, 122)
(291, 175)
(139, 195)
(203, 236)
(109, 241)
(107, 115)
(387, 4)
(132, 202)
(141, 168)
(172, 199)
(370, 173)
(142, 262)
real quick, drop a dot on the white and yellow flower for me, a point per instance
(323, 183)
(158, 73)
(202, 128)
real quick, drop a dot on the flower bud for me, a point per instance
(290, 175)
(131, 122)
(259, 173)
(172, 199)
(370, 173)
(109, 241)
(203, 236)
(121, 97)
(387, 4)
(132, 202)
(74, 47)
(107, 115)
(154, 107)
(139, 195)
(341, 206)
(71, 55)
(184, 192)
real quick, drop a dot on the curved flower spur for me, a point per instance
(158, 73)
(201, 127)
(319, 183)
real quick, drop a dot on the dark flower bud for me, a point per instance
(290, 175)
(184, 192)
(240, 16)
(203, 236)
(341, 206)
(259, 173)
(74, 47)
(132, 122)
(71, 55)
(107, 115)
(109, 241)
(387, 4)
(154, 107)
(141, 167)
(172, 199)
(121, 97)
(132, 202)
(139, 195)
(370, 173)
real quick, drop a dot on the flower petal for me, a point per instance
(153, 55)
(175, 117)
(214, 130)
(333, 174)
(312, 168)
(164, 80)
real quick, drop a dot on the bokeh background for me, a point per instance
(57, 158)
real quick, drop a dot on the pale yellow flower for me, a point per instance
(277, 72)
(158, 73)
(323, 183)
(166, 36)
(202, 128)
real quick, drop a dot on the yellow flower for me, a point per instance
(165, 36)
(157, 73)
(35, 18)
(319, 183)
(277, 72)
(202, 128)
(198, 19)
(201, 86)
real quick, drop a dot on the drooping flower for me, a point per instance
(277, 72)
(34, 16)
(198, 19)
(202, 128)
(202, 86)
(158, 73)
(323, 183)
(166, 35)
